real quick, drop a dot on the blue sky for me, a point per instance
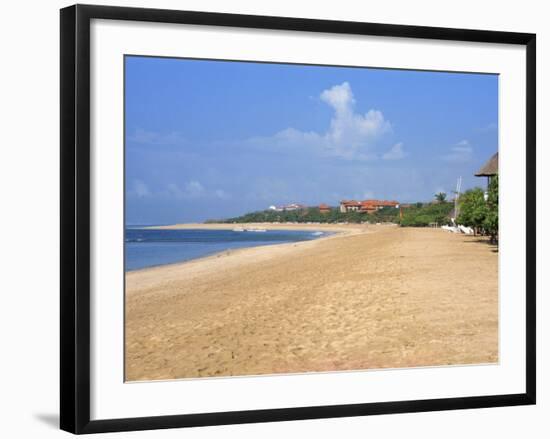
(213, 139)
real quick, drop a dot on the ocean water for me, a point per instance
(148, 248)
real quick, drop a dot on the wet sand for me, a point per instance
(370, 297)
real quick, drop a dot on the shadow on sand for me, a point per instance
(483, 240)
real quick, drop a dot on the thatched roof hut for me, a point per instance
(489, 169)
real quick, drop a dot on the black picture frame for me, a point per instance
(75, 218)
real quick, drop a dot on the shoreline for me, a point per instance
(383, 297)
(236, 251)
(334, 232)
(270, 226)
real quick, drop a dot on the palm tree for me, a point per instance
(440, 197)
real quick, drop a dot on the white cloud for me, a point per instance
(461, 152)
(194, 189)
(175, 191)
(340, 97)
(396, 152)
(350, 135)
(191, 189)
(141, 189)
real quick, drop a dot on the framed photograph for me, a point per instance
(274, 218)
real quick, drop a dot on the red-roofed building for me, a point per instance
(349, 206)
(366, 206)
(324, 208)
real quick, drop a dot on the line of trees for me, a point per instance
(480, 212)
(314, 215)
(416, 215)
(476, 210)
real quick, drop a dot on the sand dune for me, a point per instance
(373, 297)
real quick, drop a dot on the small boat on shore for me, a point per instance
(238, 229)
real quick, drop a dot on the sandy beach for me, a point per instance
(367, 297)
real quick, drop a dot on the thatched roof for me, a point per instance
(490, 168)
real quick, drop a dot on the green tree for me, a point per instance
(440, 197)
(473, 209)
(491, 220)
(419, 215)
